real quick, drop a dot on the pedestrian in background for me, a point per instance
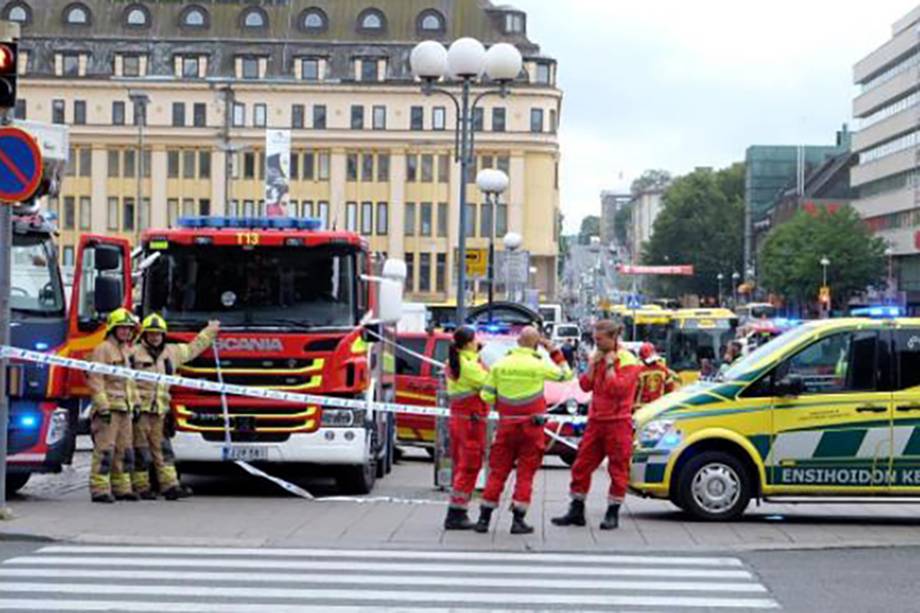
(110, 422)
(468, 413)
(515, 387)
(655, 378)
(612, 378)
(153, 354)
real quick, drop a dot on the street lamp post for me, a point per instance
(825, 262)
(736, 277)
(465, 62)
(889, 253)
(512, 242)
(720, 277)
(140, 101)
(492, 183)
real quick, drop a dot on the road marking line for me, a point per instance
(431, 567)
(380, 596)
(17, 604)
(400, 554)
(387, 580)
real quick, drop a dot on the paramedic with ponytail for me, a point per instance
(465, 378)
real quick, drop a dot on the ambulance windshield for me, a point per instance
(283, 287)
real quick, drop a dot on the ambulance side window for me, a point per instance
(843, 362)
(907, 358)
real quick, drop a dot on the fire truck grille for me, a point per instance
(290, 375)
(254, 423)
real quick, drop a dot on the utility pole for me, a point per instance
(140, 100)
(230, 103)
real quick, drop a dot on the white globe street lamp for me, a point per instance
(466, 62)
(492, 183)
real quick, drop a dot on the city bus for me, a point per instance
(697, 340)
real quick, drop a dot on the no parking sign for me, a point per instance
(20, 165)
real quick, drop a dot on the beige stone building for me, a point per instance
(370, 152)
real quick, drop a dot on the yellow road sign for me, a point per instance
(477, 262)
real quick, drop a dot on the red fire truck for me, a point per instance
(300, 311)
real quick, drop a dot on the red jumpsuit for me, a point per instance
(655, 381)
(467, 427)
(609, 433)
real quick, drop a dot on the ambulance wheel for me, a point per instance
(714, 486)
(16, 481)
(357, 479)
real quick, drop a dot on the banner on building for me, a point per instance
(680, 271)
(277, 172)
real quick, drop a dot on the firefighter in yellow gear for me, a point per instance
(151, 447)
(113, 400)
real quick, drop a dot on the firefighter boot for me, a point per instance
(128, 496)
(457, 519)
(611, 518)
(105, 498)
(574, 517)
(147, 495)
(517, 522)
(173, 493)
(485, 515)
(184, 491)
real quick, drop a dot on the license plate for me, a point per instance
(247, 454)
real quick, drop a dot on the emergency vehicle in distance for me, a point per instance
(300, 311)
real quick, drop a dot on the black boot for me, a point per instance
(517, 522)
(485, 516)
(130, 497)
(457, 519)
(184, 491)
(148, 495)
(574, 517)
(173, 493)
(611, 518)
(105, 498)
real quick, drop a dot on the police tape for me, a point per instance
(204, 385)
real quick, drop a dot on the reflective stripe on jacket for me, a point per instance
(515, 383)
(655, 381)
(153, 397)
(112, 393)
(612, 384)
(463, 392)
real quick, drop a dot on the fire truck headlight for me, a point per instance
(342, 418)
(57, 429)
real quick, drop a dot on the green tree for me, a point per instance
(650, 179)
(590, 226)
(701, 223)
(790, 259)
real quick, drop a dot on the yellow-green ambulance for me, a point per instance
(829, 409)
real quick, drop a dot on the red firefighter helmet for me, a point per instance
(647, 352)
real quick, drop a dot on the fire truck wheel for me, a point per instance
(568, 457)
(16, 481)
(357, 480)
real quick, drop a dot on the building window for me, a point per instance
(313, 20)
(178, 114)
(470, 220)
(371, 21)
(438, 118)
(112, 214)
(425, 224)
(18, 12)
(409, 220)
(308, 164)
(250, 67)
(498, 119)
(503, 163)
(172, 164)
(427, 168)
(200, 115)
(357, 117)
(70, 212)
(249, 165)
(253, 17)
(129, 163)
(71, 64)
(131, 66)
(351, 216)
(79, 112)
(297, 116)
(485, 220)
(367, 167)
(367, 218)
(204, 165)
(136, 16)
(140, 113)
(86, 162)
(431, 21)
(188, 207)
(294, 165)
(553, 127)
(383, 168)
(383, 219)
(86, 213)
(144, 215)
(127, 215)
(440, 272)
(319, 116)
(259, 115)
(309, 69)
(501, 219)
(417, 118)
(514, 23)
(411, 168)
(19, 111)
(77, 14)
(443, 168)
(322, 166)
(351, 167)
(322, 212)
(193, 17)
(479, 115)
(442, 219)
(410, 272)
(190, 68)
(536, 120)
(239, 114)
(114, 163)
(424, 272)
(543, 74)
(380, 118)
(368, 69)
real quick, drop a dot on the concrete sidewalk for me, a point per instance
(240, 510)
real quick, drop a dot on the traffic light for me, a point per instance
(8, 68)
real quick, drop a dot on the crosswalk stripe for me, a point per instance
(424, 567)
(387, 554)
(381, 596)
(363, 578)
(44, 605)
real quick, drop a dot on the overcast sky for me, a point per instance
(675, 84)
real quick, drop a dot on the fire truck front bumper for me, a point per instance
(326, 446)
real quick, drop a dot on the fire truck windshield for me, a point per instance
(35, 286)
(272, 287)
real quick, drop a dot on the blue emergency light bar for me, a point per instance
(877, 312)
(262, 223)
